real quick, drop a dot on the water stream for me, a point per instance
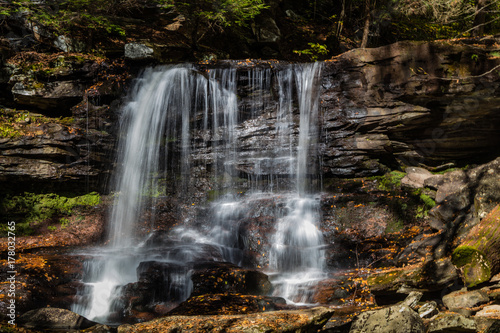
(177, 119)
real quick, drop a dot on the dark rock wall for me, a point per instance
(409, 103)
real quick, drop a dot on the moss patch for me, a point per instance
(474, 264)
(16, 123)
(29, 209)
(390, 181)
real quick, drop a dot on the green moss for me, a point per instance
(30, 208)
(474, 264)
(427, 200)
(390, 181)
(462, 255)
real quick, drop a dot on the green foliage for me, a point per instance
(76, 18)
(222, 13)
(427, 200)
(30, 208)
(314, 51)
(205, 15)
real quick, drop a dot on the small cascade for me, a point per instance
(177, 120)
(297, 254)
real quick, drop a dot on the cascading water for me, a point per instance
(178, 119)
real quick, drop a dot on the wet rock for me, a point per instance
(54, 319)
(305, 321)
(219, 304)
(398, 318)
(228, 278)
(465, 299)
(158, 283)
(452, 323)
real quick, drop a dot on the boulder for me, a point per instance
(465, 299)
(54, 319)
(138, 51)
(452, 323)
(303, 321)
(266, 30)
(429, 276)
(394, 319)
(491, 311)
(416, 177)
(214, 278)
(474, 256)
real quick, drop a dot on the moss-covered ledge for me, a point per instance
(478, 257)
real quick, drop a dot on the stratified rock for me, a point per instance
(54, 319)
(465, 299)
(452, 323)
(394, 319)
(292, 321)
(50, 95)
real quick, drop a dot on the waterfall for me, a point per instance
(177, 119)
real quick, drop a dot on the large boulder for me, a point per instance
(476, 256)
(54, 319)
(213, 278)
(394, 319)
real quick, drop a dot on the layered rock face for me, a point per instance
(408, 103)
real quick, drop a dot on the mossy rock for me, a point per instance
(474, 265)
(478, 257)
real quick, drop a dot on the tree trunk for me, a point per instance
(480, 18)
(478, 257)
(366, 29)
